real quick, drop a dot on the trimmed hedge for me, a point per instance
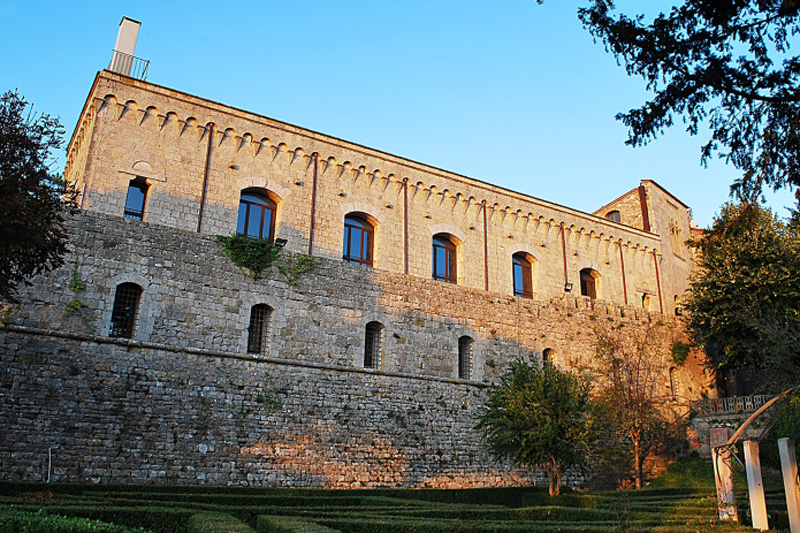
(289, 524)
(216, 523)
(13, 521)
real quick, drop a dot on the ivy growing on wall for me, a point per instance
(258, 255)
(254, 255)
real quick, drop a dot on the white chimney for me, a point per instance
(122, 59)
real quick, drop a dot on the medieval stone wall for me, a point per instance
(197, 157)
(183, 402)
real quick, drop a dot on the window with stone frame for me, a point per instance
(589, 279)
(136, 199)
(126, 305)
(614, 216)
(465, 349)
(256, 215)
(523, 276)
(258, 333)
(359, 238)
(444, 259)
(373, 345)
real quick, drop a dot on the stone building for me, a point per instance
(150, 357)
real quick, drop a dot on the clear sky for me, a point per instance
(508, 91)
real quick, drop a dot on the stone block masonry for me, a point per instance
(183, 402)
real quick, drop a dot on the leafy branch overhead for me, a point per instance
(33, 200)
(258, 255)
(727, 64)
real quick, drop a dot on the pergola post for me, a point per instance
(790, 484)
(755, 485)
(723, 478)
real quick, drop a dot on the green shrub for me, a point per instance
(13, 521)
(216, 523)
(289, 524)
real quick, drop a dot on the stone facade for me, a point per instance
(182, 400)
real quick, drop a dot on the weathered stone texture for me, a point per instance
(181, 401)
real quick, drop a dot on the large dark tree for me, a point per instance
(33, 202)
(745, 297)
(725, 62)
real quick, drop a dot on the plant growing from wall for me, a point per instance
(249, 253)
(680, 352)
(76, 286)
(292, 268)
(254, 256)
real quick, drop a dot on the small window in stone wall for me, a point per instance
(465, 345)
(589, 283)
(137, 195)
(258, 332)
(614, 216)
(373, 345)
(547, 356)
(123, 315)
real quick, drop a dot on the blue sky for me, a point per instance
(508, 92)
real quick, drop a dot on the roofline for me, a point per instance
(615, 200)
(352, 146)
(666, 192)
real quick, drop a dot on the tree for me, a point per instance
(727, 62)
(539, 416)
(632, 376)
(33, 200)
(745, 297)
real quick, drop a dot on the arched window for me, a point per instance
(444, 259)
(258, 332)
(613, 216)
(123, 315)
(523, 277)
(256, 216)
(589, 283)
(465, 344)
(547, 356)
(373, 345)
(134, 203)
(358, 240)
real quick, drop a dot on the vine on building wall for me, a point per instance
(254, 256)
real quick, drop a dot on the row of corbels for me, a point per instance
(247, 142)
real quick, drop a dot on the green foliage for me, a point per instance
(289, 524)
(211, 522)
(74, 305)
(33, 200)
(269, 395)
(744, 302)
(293, 269)
(680, 352)
(539, 416)
(724, 63)
(258, 255)
(12, 520)
(632, 396)
(75, 283)
(250, 253)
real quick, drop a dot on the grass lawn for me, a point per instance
(680, 501)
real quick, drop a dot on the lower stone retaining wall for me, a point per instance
(132, 413)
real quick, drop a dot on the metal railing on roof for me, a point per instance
(129, 65)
